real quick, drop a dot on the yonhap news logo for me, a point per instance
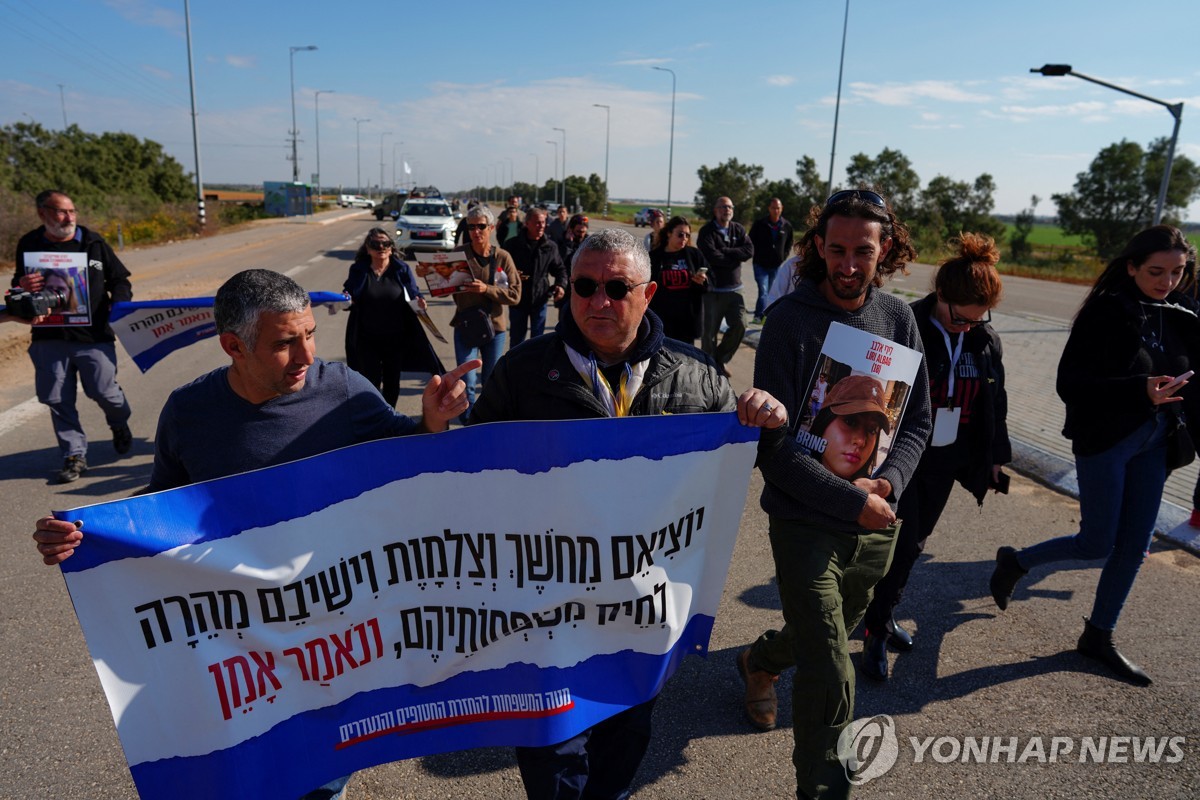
(868, 748)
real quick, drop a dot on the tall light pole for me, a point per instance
(358, 158)
(837, 106)
(1176, 110)
(381, 162)
(187, 24)
(394, 146)
(671, 151)
(511, 181)
(292, 72)
(317, 128)
(563, 182)
(62, 96)
(551, 141)
(537, 187)
(607, 129)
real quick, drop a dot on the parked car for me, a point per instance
(390, 205)
(642, 218)
(355, 201)
(426, 223)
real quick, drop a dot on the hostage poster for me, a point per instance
(856, 398)
(444, 273)
(503, 584)
(66, 284)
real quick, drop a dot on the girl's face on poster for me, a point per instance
(849, 443)
(1159, 274)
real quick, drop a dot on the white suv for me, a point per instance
(355, 200)
(425, 223)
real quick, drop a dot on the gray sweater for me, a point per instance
(797, 486)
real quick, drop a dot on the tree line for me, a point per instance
(1113, 199)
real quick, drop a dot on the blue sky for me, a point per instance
(464, 87)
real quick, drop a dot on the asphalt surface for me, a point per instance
(976, 672)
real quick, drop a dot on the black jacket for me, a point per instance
(1105, 365)
(725, 256)
(770, 252)
(537, 262)
(536, 381)
(108, 281)
(988, 443)
(406, 334)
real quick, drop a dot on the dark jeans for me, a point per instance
(598, 764)
(1119, 494)
(730, 307)
(489, 354)
(919, 507)
(59, 366)
(763, 278)
(522, 319)
(825, 579)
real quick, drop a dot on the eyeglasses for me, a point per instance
(681, 234)
(956, 320)
(477, 227)
(379, 244)
(69, 212)
(865, 195)
(616, 290)
(725, 205)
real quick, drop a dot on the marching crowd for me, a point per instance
(630, 312)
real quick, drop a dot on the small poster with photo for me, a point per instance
(444, 273)
(65, 288)
(856, 400)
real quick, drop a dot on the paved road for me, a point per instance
(976, 672)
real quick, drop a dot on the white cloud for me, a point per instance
(157, 72)
(642, 62)
(906, 94)
(781, 80)
(143, 12)
(241, 62)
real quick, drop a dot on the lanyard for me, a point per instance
(616, 403)
(955, 353)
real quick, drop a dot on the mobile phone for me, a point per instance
(1178, 381)
(1000, 484)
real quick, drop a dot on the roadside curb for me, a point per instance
(1058, 474)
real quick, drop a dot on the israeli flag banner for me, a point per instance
(506, 584)
(150, 330)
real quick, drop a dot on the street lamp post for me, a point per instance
(292, 73)
(381, 162)
(671, 152)
(537, 187)
(551, 141)
(511, 181)
(358, 154)
(394, 146)
(563, 182)
(1176, 110)
(187, 24)
(607, 130)
(837, 106)
(317, 127)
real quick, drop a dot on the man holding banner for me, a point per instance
(608, 358)
(831, 536)
(275, 402)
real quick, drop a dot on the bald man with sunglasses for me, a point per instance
(608, 358)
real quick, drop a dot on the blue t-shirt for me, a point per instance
(207, 431)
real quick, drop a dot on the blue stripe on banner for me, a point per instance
(148, 358)
(126, 307)
(232, 505)
(594, 694)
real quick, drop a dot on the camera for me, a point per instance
(27, 305)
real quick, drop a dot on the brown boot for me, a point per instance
(761, 702)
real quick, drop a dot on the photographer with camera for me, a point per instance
(61, 353)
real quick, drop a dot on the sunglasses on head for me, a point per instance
(616, 290)
(379, 244)
(477, 226)
(865, 195)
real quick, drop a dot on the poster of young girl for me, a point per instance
(66, 282)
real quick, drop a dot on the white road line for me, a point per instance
(19, 415)
(316, 258)
(294, 271)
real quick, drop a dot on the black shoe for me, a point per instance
(874, 657)
(1098, 644)
(73, 467)
(122, 439)
(1004, 579)
(900, 640)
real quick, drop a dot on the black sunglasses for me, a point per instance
(379, 244)
(955, 319)
(865, 195)
(616, 290)
(477, 227)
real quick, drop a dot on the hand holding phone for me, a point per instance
(1178, 381)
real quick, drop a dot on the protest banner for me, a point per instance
(150, 330)
(504, 584)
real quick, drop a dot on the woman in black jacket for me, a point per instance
(681, 273)
(383, 335)
(969, 442)
(1125, 362)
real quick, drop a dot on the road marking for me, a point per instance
(294, 271)
(316, 258)
(19, 415)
